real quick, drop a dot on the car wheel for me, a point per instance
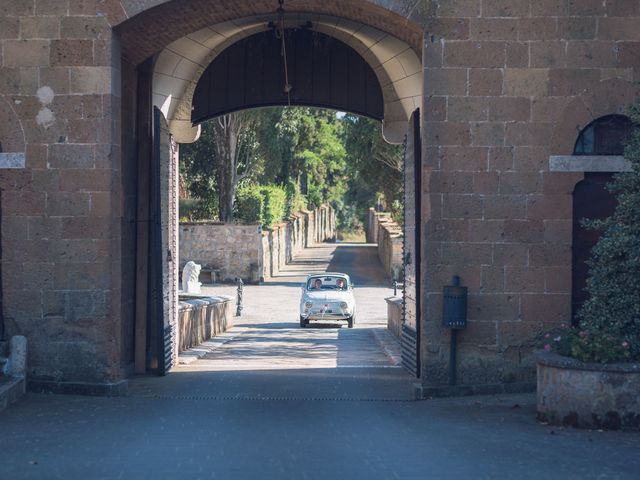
(303, 322)
(351, 321)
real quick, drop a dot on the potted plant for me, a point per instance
(590, 376)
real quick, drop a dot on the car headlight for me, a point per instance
(308, 305)
(344, 305)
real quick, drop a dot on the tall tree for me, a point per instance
(225, 154)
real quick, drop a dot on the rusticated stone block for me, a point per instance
(557, 279)
(466, 254)
(71, 52)
(521, 82)
(459, 8)
(493, 29)
(501, 158)
(547, 207)
(465, 109)
(39, 27)
(50, 7)
(549, 254)
(510, 254)
(537, 28)
(500, 8)
(568, 82)
(502, 307)
(462, 206)
(463, 159)
(492, 279)
(511, 109)
(618, 29)
(9, 27)
(445, 81)
(485, 82)
(63, 155)
(91, 80)
(524, 279)
(486, 182)
(487, 134)
(505, 206)
(486, 230)
(523, 231)
(22, 53)
(577, 28)
(520, 182)
(446, 133)
(474, 54)
(84, 27)
(517, 55)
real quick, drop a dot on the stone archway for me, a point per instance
(168, 79)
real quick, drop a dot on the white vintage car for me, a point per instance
(327, 296)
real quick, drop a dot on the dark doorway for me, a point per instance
(591, 200)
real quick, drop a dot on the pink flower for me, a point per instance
(625, 344)
(547, 335)
(564, 325)
(583, 333)
(547, 347)
(557, 339)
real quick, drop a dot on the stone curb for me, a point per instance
(11, 391)
(389, 345)
(555, 360)
(189, 356)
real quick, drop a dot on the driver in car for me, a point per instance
(340, 284)
(317, 285)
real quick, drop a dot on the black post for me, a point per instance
(239, 297)
(453, 346)
(452, 356)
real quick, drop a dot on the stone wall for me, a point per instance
(202, 318)
(384, 231)
(232, 249)
(507, 83)
(248, 252)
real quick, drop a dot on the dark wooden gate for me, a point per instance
(592, 200)
(412, 247)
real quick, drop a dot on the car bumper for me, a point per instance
(326, 316)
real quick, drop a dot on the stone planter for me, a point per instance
(588, 395)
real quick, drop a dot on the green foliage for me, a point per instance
(610, 317)
(318, 157)
(586, 345)
(265, 205)
(295, 200)
(249, 203)
(273, 204)
(198, 172)
(374, 168)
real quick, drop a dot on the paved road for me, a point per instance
(273, 401)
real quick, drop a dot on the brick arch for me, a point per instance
(143, 31)
(11, 132)
(612, 96)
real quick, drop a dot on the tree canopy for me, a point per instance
(314, 155)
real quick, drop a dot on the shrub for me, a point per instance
(273, 205)
(249, 203)
(296, 201)
(587, 345)
(610, 319)
(613, 308)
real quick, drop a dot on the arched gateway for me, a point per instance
(503, 90)
(311, 57)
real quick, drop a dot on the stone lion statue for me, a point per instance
(190, 274)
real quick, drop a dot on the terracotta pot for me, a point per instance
(588, 395)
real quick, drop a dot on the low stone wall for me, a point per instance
(233, 250)
(394, 316)
(248, 252)
(202, 318)
(587, 395)
(384, 231)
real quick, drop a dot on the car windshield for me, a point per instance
(327, 282)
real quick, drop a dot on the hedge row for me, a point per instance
(261, 204)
